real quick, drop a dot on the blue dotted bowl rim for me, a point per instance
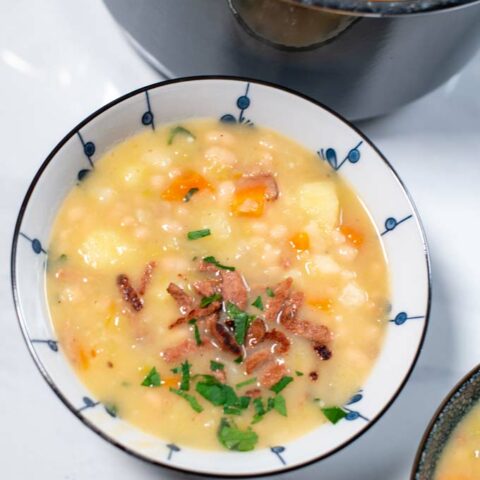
(448, 402)
(90, 424)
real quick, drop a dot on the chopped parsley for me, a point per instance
(196, 331)
(334, 414)
(242, 321)
(221, 395)
(190, 194)
(258, 303)
(280, 405)
(215, 262)
(175, 370)
(281, 384)
(152, 379)
(111, 409)
(231, 437)
(196, 234)
(189, 398)
(260, 410)
(298, 373)
(239, 359)
(270, 292)
(246, 382)
(185, 382)
(214, 366)
(206, 301)
(179, 130)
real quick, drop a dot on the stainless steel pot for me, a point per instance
(362, 58)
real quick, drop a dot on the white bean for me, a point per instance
(219, 156)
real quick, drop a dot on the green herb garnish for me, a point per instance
(152, 379)
(196, 234)
(298, 373)
(242, 321)
(260, 410)
(190, 194)
(214, 366)
(239, 359)
(246, 382)
(270, 292)
(258, 303)
(280, 405)
(175, 370)
(334, 414)
(231, 437)
(179, 130)
(215, 262)
(281, 384)
(206, 301)
(111, 409)
(189, 398)
(185, 382)
(196, 331)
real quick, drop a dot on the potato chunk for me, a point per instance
(319, 200)
(103, 248)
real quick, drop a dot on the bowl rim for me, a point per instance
(57, 390)
(439, 410)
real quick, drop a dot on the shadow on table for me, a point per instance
(382, 452)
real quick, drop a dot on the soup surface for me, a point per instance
(217, 285)
(460, 459)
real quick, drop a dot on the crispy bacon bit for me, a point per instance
(253, 393)
(308, 330)
(257, 359)
(180, 351)
(233, 288)
(129, 294)
(222, 335)
(272, 374)
(197, 313)
(177, 322)
(200, 313)
(313, 376)
(322, 351)
(281, 340)
(292, 306)
(275, 304)
(220, 375)
(146, 277)
(256, 332)
(206, 288)
(208, 267)
(185, 302)
(266, 181)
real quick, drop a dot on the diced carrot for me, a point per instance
(82, 358)
(325, 304)
(353, 236)
(249, 202)
(172, 381)
(182, 184)
(300, 241)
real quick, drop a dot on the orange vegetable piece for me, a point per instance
(172, 381)
(182, 184)
(82, 358)
(353, 236)
(249, 202)
(325, 304)
(300, 241)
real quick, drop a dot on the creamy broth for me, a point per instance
(249, 199)
(460, 459)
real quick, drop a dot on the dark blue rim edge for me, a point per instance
(440, 409)
(71, 407)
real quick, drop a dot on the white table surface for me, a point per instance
(59, 61)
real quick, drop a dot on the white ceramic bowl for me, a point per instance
(307, 122)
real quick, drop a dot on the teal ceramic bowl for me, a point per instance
(453, 409)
